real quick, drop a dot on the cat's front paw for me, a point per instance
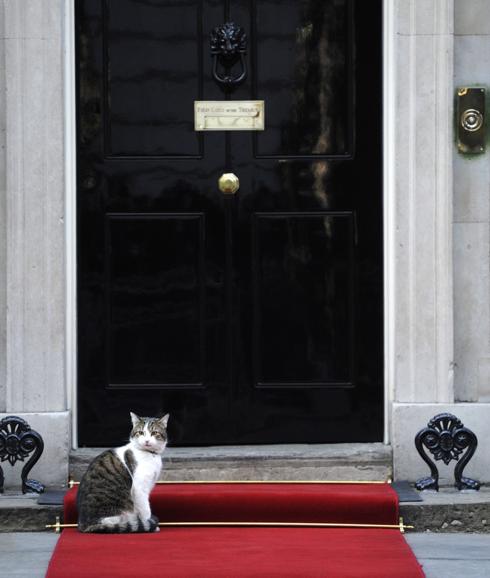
(153, 522)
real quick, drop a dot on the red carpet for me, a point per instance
(374, 504)
(244, 552)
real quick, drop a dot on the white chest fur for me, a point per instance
(145, 475)
(148, 466)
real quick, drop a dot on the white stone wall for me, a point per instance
(32, 253)
(442, 326)
(472, 216)
(469, 211)
(3, 217)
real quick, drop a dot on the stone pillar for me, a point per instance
(33, 243)
(424, 141)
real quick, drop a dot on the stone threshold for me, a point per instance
(370, 461)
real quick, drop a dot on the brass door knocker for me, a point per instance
(228, 48)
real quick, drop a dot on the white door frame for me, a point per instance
(389, 156)
(70, 215)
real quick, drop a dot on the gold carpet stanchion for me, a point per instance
(57, 527)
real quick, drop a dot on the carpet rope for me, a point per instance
(58, 526)
(72, 483)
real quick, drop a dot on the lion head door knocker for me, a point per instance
(228, 49)
(447, 439)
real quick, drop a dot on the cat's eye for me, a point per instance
(138, 433)
(158, 435)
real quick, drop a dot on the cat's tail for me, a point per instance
(122, 524)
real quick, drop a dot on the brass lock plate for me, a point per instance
(470, 117)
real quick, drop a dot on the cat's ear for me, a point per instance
(134, 418)
(164, 420)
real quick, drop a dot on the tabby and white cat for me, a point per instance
(114, 492)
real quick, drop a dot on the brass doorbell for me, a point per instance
(471, 120)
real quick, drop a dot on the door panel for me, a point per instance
(303, 299)
(155, 300)
(254, 317)
(153, 74)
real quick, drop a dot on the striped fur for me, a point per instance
(113, 496)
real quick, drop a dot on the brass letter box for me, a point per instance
(228, 115)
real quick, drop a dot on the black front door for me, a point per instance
(254, 317)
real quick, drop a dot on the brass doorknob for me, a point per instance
(228, 183)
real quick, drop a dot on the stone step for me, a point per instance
(371, 461)
(22, 513)
(449, 510)
(446, 511)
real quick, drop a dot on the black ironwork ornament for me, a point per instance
(447, 439)
(17, 441)
(228, 48)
